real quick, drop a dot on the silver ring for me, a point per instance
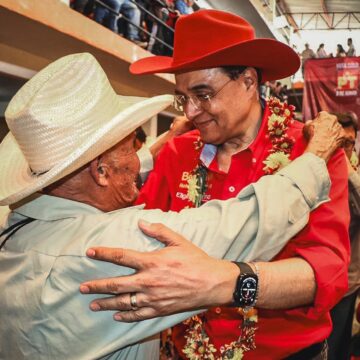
(133, 302)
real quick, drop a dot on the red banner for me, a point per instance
(332, 85)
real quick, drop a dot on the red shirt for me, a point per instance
(324, 242)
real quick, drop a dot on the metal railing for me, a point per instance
(159, 21)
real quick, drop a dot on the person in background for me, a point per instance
(105, 16)
(351, 50)
(130, 29)
(110, 16)
(166, 12)
(306, 54)
(342, 314)
(184, 7)
(321, 53)
(340, 52)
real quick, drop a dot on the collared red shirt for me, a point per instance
(324, 243)
(44, 316)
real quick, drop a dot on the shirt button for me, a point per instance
(253, 160)
(218, 310)
(231, 189)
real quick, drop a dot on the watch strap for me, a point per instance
(244, 268)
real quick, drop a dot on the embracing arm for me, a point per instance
(179, 274)
(272, 211)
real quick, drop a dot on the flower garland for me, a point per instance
(198, 346)
(354, 161)
(197, 180)
(281, 115)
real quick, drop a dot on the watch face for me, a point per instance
(248, 290)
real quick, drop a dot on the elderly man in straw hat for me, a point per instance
(68, 164)
(239, 138)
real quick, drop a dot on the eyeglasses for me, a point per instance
(198, 101)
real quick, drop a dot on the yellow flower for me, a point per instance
(354, 161)
(238, 354)
(193, 189)
(275, 118)
(276, 161)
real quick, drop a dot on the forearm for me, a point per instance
(277, 288)
(285, 284)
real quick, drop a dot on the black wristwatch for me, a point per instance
(245, 294)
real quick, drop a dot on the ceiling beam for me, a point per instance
(285, 10)
(326, 17)
(307, 18)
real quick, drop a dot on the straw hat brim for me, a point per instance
(16, 179)
(275, 59)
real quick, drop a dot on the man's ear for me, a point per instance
(250, 77)
(248, 82)
(99, 172)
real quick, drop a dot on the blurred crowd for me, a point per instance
(274, 89)
(321, 53)
(148, 23)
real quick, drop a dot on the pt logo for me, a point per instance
(347, 79)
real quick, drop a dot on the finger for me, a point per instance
(137, 315)
(162, 233)
(115, 285)
(119, 256)
(118, 302)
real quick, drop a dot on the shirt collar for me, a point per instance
(45, 207)
(49, 208)
(208, 152)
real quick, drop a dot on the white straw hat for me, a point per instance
(61, 119)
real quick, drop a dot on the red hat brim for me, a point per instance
(275, 60)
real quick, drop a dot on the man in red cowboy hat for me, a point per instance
(238, 139)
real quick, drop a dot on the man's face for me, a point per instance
(349, 142)
(224, 116)
(124, 169)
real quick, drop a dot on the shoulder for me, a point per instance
(187, 138)
(296, 132)
(296, 127)
(185, 143)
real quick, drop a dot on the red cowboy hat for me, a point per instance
(212, 38)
